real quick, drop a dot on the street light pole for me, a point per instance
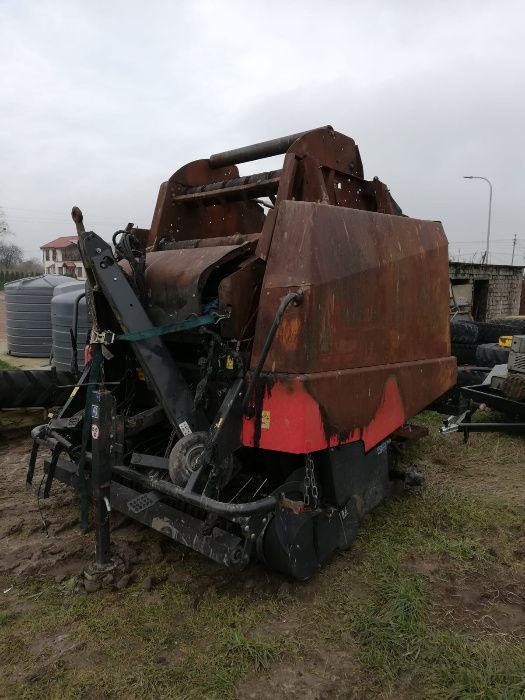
(479, 177)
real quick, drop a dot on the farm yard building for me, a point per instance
(61, 256)
(488, 291)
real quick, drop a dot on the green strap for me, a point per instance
(175, 327)
(94, 372)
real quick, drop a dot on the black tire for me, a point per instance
(490, 354)
(465, 353)
(463, 331)
(491, 331)
(39, 388)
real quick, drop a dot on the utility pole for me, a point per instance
(479, 177)
(513, 249)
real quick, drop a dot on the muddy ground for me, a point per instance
(430, 602)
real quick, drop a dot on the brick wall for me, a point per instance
(504, 285)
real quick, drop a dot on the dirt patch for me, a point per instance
(60, 550)
(322, 676)
(489, 602)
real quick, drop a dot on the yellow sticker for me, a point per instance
(74, 392)
(229, 362)
(265, 420)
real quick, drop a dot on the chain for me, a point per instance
(310, 483)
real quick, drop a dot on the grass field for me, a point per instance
(5, 365)
(429, 603)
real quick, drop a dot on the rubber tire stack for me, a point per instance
(491, 331)
(490, 354)
(464, 339)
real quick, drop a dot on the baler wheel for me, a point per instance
(184, 457)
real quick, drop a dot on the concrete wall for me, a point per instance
(504, 285)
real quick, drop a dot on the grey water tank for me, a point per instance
(69, 313)
(28, 314)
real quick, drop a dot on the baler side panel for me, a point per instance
(372, 334)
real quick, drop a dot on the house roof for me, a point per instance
(62, 242)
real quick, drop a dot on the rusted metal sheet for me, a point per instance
(373, 311)
(300, 413)
(176, 278)
(183, 220)
(250, 186)
(373, 286)
(239, 294)
(325, 166)
(207, 198)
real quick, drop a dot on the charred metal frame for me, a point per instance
(207, 200)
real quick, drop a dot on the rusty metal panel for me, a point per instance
(239, 292)
(374, 287)
(175, 278)
(178, 221)
(375, 309)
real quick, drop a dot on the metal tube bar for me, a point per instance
(209, 504)
(255, 151)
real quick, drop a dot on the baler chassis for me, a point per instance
(227, 402)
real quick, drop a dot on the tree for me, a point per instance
(4, 225)
(11, 254)
(32, 265)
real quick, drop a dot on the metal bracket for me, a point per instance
(143, 502)
(452, 423)
(103, 337)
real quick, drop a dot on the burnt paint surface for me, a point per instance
(306, 413)
(375, 309)
(180, 221)
(375, 286)
(175, 278)
(375, 283)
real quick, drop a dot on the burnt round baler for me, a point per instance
(252, 355)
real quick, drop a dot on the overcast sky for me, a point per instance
(102, 101)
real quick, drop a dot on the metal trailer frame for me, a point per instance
(479, 394)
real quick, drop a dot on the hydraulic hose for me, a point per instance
(297, 298)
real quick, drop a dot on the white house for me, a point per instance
(62, 257)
